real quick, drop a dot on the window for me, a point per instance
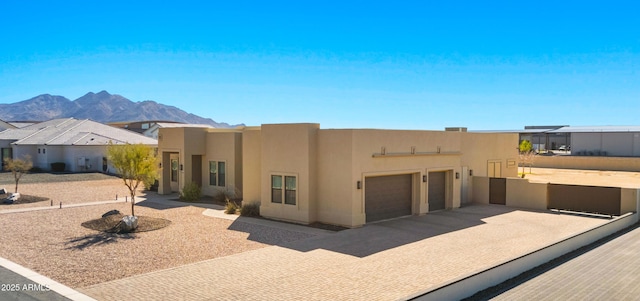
(217, 173)
(276, 189)
(290, 189)
(174, 170)
(145, 126)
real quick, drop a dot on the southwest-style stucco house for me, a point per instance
(347, 177)
(80, 144)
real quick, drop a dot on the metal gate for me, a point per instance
(593, 199)
(498, 191)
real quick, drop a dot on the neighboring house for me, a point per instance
(6, 125)
(347, 177)
(80, 144)
(150, 128)
(613, 141)
(154, 130)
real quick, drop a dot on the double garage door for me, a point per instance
(391, 196)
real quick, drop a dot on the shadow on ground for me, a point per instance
(381, 236)
(98, 239)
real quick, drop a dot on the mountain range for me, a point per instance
(101, 107)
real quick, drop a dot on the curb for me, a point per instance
(55, 286)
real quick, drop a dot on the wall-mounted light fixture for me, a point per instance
(359, 185)
(160, 165)
(457, 175)
(470, 172)
(181, 167)
(424, 178)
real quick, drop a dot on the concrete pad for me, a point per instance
(383, 261)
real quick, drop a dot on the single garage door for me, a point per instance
(387, 197)
(437, 190)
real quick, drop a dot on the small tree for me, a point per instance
(135, 163)
(18, 167)
(527, 155)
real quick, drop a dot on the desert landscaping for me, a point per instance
(55, 244)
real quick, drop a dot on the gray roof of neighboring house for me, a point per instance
(597, 129)
(71, 131)
(6, 125)
(182, 125)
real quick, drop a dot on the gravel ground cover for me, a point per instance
(53, 242)
(66, 188)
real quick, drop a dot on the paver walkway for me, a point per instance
(609, 272)
(383, 261)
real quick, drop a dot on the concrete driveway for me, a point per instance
(387, 260)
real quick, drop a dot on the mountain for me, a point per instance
(102, 107)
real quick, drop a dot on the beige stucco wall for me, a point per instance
(252, 165)
(588, 162)
(480, 190)
(521, 193)
(336, 182)
(287, 150)
(223, 145)
(479, 148)
(629, 200)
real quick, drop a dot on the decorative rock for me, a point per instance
(3, 191)
(12, 198)
(112, 212)
(129, 223)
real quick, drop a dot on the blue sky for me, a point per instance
(353, 64)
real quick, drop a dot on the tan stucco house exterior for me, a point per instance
(348, 177)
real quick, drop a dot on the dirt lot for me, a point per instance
(584, 177)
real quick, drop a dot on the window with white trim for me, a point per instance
(217, 173)
(284, 189)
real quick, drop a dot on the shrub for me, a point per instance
(58, 166)
(190, 192)
(251, 210)
(35, 169)
(230, 208)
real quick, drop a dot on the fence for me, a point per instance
(516, 192)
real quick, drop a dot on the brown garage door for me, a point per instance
(437, 190)
(387, 197)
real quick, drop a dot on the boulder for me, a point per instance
(12, 198)
(3, 191)
(112, 212)
(129, 223)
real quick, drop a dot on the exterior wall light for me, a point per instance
(359, 185)
(457, 175)
(160, 165)
(181, 167)
(424, 178)
(470, 172)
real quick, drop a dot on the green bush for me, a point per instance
(251, 210)
(58, 166)
(190, 192)
(230, 208)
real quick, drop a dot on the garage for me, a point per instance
(437, 190)
(387, 197)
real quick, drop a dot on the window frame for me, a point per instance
(218, 175)
(285, 198)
